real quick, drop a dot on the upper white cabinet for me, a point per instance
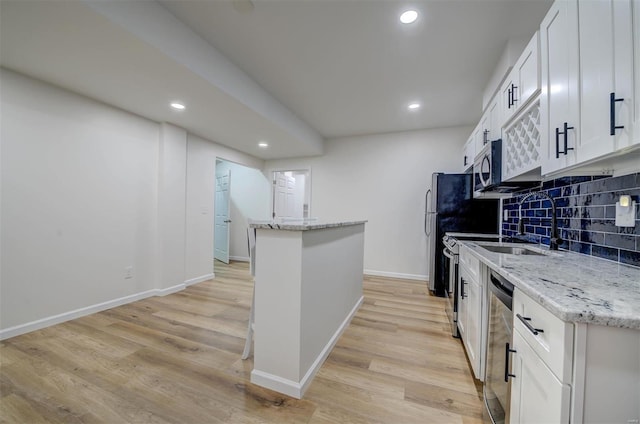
(523, 82)
(588, 104)
(490, 126)
(606, 77)
(469, 153)
(559, 98)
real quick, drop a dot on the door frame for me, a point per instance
(307, 190)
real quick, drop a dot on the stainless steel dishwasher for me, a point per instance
(497, 387)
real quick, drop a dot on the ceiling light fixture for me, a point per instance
(409, 17)
(414, 106)
(263, 144)
(177, 105)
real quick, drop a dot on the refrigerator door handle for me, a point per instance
(427, 213)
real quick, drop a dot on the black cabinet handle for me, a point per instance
(509, 96)
(513, 94)
(485, 137)
(525, 321)
(612, 114)
(565, 133)
(465, 160)
(507, 351)
(462, 295)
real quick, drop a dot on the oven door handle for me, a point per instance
(446, 252)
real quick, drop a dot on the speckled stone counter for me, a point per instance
(301, 226)
(574, 287)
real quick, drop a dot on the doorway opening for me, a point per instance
(291, 194)
(247, 198)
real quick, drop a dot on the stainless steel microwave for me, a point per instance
(487, 172)
(487, 167)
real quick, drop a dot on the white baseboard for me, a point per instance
(297, 389)
(199, 279)
(88, 310)
(169, 290)
(239, 258)
(395, 275)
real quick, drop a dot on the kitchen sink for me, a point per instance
(512, 250)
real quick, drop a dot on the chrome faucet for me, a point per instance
(555, 239)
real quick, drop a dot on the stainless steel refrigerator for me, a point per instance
(450, 207)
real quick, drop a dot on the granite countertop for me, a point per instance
(301, 225)
(572, 286)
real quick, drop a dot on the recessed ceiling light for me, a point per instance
(263, 144)
(409, 17)
(177, 105)
(414, 106)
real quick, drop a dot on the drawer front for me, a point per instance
(554, 339)
(470, 263)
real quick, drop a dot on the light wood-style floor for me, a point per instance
(177, 359)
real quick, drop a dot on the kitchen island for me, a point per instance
(308, 286)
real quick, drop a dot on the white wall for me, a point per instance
(250, 200)
(79, 188)
(383, 178)
(89, 190)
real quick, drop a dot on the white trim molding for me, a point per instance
(297, 389)
(199, 279)
(88, 310)
(395, 275)
(239, 258)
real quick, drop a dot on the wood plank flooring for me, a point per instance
(176, 359)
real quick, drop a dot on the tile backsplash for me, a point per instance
(586, 216)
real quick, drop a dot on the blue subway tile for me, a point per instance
(605, 252)
(630, 258)
(622, 241)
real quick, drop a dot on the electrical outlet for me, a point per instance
(625, 212)
(128, 273)
(505, 215)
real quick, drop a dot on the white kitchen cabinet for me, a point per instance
(606, 77)
(470, 310)
(469, 153)
(559, 97)
(579, 373)
(490, 126)
(523, 82)
(635, 114)
(537, 396)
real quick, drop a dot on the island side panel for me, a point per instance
(332, 274)
(277, 304)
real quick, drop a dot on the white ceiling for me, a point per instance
(323, 68)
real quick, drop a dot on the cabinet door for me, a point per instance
(468, 154)
(474, 327)
(537, 396)
(559, 103)
(506, 96)
(463, 303)
(606, 66)
(635, 115)
(528, 71)
(495, 119)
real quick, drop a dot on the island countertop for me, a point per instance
(572, 286)
(301, 225)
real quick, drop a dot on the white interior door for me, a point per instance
(222, 207)
(289, 196)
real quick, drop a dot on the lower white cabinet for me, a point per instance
(571, 372)
(471, 312)
(537, 396)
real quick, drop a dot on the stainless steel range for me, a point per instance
(451, 251)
